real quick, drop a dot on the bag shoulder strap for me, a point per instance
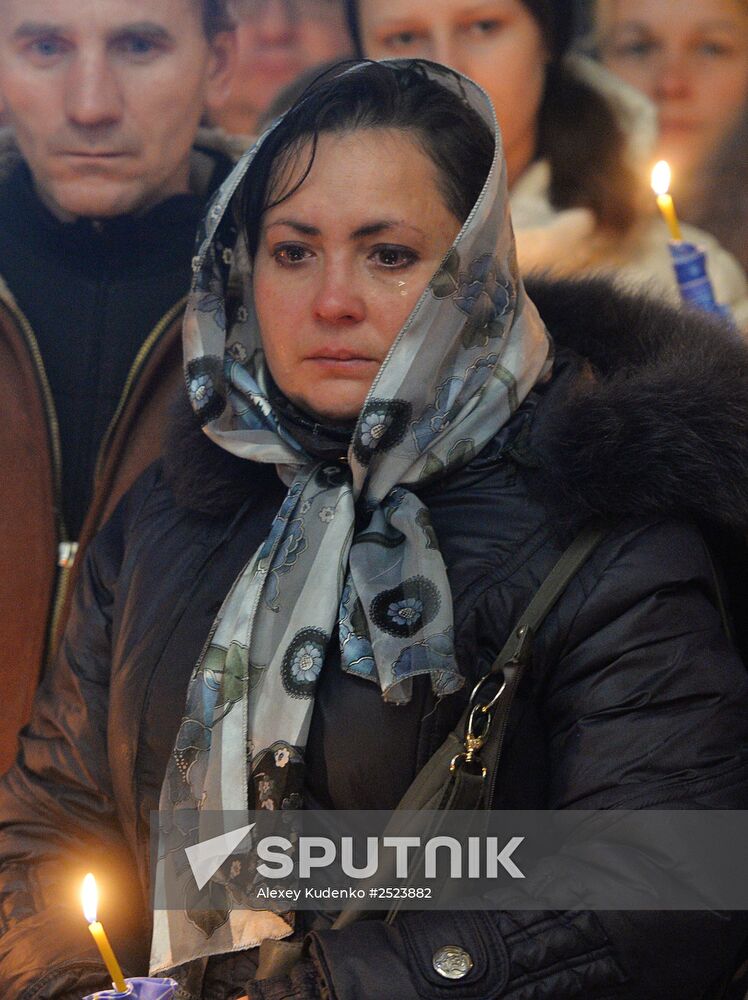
(554, 585)
(456, 777)
(516, 652)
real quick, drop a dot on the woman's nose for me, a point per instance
(445, 50)
(672, 81)
(276, 20)
(338, 300)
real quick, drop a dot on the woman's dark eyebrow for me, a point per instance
(643, 28)
(300, 227)
(370, 229)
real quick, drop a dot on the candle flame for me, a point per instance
(661, 177)
(89, 898)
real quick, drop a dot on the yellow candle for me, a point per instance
(105, 949)
(666, 206)
(89, 897)
(661, 177)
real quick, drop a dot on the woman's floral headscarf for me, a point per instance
(351, 556)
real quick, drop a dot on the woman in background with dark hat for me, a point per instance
(578, 141)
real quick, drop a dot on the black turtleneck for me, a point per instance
(92, 292)
(327, 441)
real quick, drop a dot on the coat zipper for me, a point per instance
(63, 579)
(140, 359)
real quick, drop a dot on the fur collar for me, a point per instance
(652, 421)
(656, 423)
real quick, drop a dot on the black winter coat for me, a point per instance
(635, 697)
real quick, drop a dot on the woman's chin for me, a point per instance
(341, 413)
(330, 408)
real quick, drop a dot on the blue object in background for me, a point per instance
(139, 989)
(690, 270)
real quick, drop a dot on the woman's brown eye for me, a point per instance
(485, 27)
(404, 38)
(394, 256)
(290, 254)
(714, 49)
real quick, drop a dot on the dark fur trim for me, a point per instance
(660, 423)
(655, 424)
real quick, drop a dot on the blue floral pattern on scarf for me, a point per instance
(206, 387)
(407, 609)
(355, 645)
(427, 656)
(382, 425)
(303, 661)
(480, 293)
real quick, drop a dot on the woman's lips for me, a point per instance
(343, 362)
(338, 354)
(280, 65)
(675, 126)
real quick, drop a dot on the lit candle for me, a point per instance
(661, 177)
(90, 900)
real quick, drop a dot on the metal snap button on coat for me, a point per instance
(452, 962)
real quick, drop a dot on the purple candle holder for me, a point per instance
(693, 280)
(139, 989)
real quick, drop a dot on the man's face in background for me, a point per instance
(277, 40)
(105, 97)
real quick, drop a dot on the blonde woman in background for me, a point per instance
(579, 142)
(691, 60)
